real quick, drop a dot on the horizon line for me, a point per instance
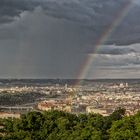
(69, 78)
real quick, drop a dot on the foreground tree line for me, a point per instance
(57, 125)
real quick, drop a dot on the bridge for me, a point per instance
(19, 108)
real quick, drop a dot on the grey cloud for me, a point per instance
(9, 9)
(42, 46)
(116, 50)
(89, 12)
(115, 66)
(115, 73)
(51, 38)
(95, 15)
(109, 56)
(114, 60)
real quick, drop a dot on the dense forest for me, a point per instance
(57, 125)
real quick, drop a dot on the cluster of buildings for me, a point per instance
(101, 98)
(47, 90)
(84, 100)
(61, 105)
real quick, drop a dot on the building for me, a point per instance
(91, 109)
(54, 105)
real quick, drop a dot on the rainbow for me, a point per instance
(84, 70)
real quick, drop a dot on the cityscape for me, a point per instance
(92, 96)
(69, 70)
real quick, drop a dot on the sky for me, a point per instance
(55, 38)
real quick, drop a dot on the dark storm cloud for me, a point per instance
(116, 50)
(51, 38)
(89, 12)
(42, 46)
(10, 9)
(95, 15)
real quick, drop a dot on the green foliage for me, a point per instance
(58, 125)
(117, 114)
(127, 128)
